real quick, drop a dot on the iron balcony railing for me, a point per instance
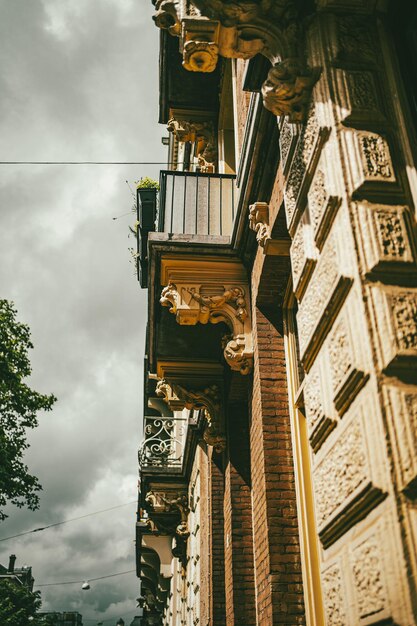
(164, 442)
(192, 203)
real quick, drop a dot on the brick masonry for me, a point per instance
(279, 591)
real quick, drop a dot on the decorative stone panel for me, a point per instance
(401, 407)
(347, 478)
(368, 578)
(327, 289)
(322, 205)
(344, 348)
(288, 135)
(357, 96)
(371, 170)
(386, 245)
(303, 257)
(334, 594)
(354, 38)
(394, 318)
(318, 406)
(306, 155)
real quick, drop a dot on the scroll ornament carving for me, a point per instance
(203, 134)
(259, 222)
(208, 399)
(287, 89)
(192, 305)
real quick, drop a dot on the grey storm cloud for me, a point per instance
(78, 81)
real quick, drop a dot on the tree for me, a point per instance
(19, 605)
(19, 405)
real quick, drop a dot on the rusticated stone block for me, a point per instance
(357, 96)
(369, 162)
(318, 406)
(304, 162)
(386, 246)
(346, 361)
(322, 205)
(323, 298)
(401, 406)
(348, 482)
(303, 258)
(334, 594)
(394, 319)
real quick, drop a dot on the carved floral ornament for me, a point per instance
(198, 303)
(208, 399)
(241, 29)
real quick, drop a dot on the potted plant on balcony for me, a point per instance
(147, 190)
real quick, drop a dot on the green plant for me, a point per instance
(19, 405)
(147, 183)
(19, 605)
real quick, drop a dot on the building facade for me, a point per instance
(278, 470)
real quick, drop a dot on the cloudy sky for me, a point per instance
(78, 81)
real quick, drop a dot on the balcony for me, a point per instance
(162, 450)
(193, 203)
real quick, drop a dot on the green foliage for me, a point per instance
(18, 605)
(147, 183)
(19, 405)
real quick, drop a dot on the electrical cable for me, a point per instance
(77, 582)
(73, 519)
(85, 163)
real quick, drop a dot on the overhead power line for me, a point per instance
(84, 163)
(77, 582)
(73, 519)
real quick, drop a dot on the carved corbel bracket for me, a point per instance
(200, 132)
(259, 222)
(287, 89)
(169, 502)
(208, 399)
(241, 29)
(200, 303)
(167, 16)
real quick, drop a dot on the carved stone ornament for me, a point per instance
(346, 482)
(208, 399)
(259, 222)
(202, 303)
(200, 56)
(201, 133)
(394, 318)
(168, 502)
(241, 29)
(287, 90)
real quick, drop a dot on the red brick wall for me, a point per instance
(218, 603)
(239, 570)
(276, 543)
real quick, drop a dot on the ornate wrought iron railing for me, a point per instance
(195, 203)
(163, 445)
